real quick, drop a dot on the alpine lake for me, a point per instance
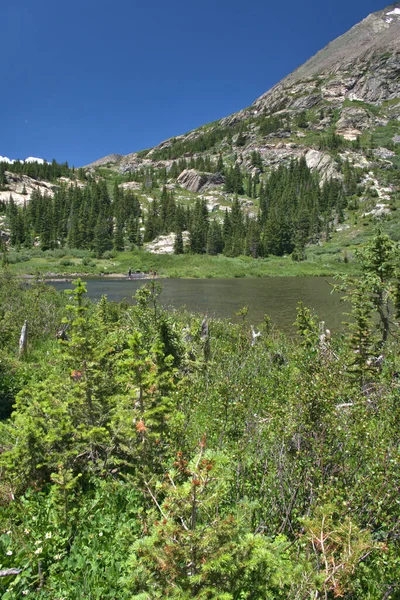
(276, 297)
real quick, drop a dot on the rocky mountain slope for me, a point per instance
(340, 110)
(358, 68)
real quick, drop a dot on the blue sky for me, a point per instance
(86, 78)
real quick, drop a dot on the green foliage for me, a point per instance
(48, 171)
(372, 297)
(133, 468)
(195, 548)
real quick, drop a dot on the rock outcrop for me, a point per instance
(20, 187)
(323, 163)
(164, 244)
(107, 160)
(130, 185)
(361, 66)
(194, 181)
(353, 121)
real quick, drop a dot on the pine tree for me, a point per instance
(178, 243)
(118, 242)
(215, 244)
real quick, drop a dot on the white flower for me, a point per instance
(9, 532)
(27, 531)
(101, 533)
(9, 552)
(58, 557)
(25, 592)
(48, 535)
(38, 550)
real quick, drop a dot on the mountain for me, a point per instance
(308, 169)
(362, 66)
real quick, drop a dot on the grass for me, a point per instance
(322, 263)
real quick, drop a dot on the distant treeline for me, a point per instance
(47, 171)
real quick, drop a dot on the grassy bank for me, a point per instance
(63, 263)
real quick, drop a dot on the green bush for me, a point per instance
(66, 262)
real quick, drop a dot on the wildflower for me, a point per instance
(27, 531)
(38, 550)
(57, 557)
(48, 535)
(9, 532)
(9, 552)
(25, 592)
(101, 533)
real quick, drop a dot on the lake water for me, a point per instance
(274, 296)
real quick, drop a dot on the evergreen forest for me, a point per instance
(293, 210)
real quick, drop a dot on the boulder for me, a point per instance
(383, 153)
(194, 181)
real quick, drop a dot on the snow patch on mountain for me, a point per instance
(395, 11)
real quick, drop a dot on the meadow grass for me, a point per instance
(321, 262)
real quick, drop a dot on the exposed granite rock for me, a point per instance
(164, 244)
(130, 185)
(353, 120)
(361, 65)
(110, 159)
(379, 211)
(194, 181)
(383, 153)
(323, 163)
(16, 184)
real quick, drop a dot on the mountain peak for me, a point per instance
(362, 65)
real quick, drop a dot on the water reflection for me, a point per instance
(274, 296)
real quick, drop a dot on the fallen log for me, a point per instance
(7, 572)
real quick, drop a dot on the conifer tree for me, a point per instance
(178, 243)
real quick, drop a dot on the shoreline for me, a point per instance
(68, 277)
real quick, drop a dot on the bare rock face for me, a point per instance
(130, 185)
(164, 244)
(20, 187)
(361, 65)
(194, 181)
(353, 120)
(322, 163)
(110, 159)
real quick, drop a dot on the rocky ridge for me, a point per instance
(341, 82)
(21, 187)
